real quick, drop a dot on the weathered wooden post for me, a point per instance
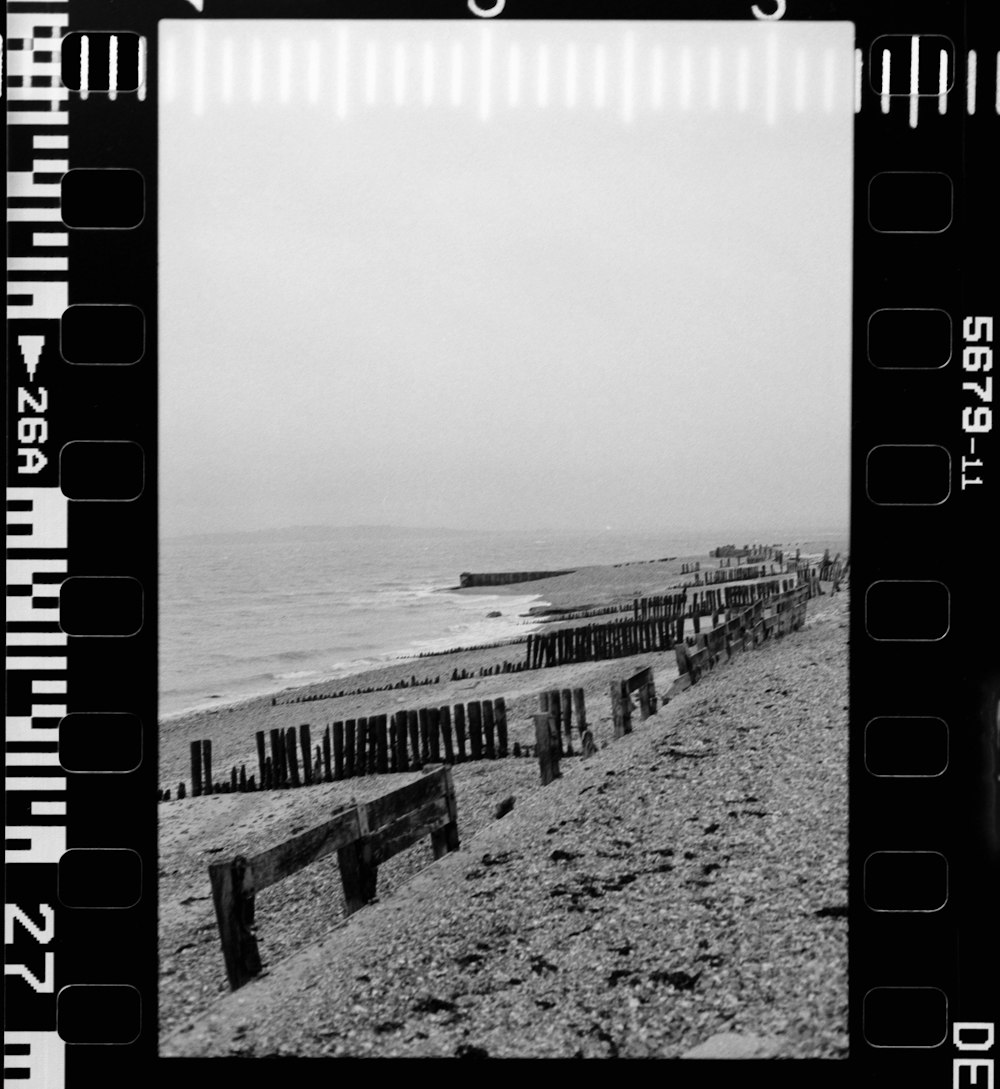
(338, 751)
(293, 760)
(548, 754)
(460, 730)
(475, 713)
(446, 839)
(382, 743)
(500, 717)
(361, 747)
(402, 762)
(195, 769)
(434, 734)
(566, 696)
(444, 717)
(306, 746)
(413, 728)
(276, 778)
(580, 707)
(327, 768)
(554, 706)
(621, 709)
(350, 746)
(358, 869)
(206, 767)
(489, 729)
(234, 911)
(243, 778)
(181, 791)
(261, 751)
(425, 747)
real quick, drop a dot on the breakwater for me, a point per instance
(506, 578)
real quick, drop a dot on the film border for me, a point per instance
(941, 954)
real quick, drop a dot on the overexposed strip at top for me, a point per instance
(625, 71)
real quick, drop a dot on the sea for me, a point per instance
(254, 613)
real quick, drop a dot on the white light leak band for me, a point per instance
(743, 80)
(343, 60)
(859, 70)
(313, 58)
(800, 81)
(656, 79)
(943, 83)
(600, 77)
(628, 79)
(113, 68)
(227, 70)
(687, 78)
(84, 67)
(829, 80)
(456, 74)
(399, 74)
(514, 76)
(198, 76)
(998, 82)
(284, 71)
(914, 80)
(141, 74)
(427, 84)
(771, 95)
(970, 84)
(543, 76)
(886, 77)
(371, 73)
(256, 71)
(572, 76)
(714, 78)
(486, 75)
(628, 75)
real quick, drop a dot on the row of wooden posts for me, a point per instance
(763, 620)
(659, 606)
(736, 574)
(378, 744)
(594, 642)
(413, 682)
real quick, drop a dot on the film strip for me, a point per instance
(84, 83)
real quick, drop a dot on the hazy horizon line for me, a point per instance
(754, 535)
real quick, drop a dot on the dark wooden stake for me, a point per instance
(206, 766)
(475, 713)
(444, 717)
(305, 744)
(338, 750)
(350, 743)
(500, 717)
(460, 730)
(234, 910)
(196, 769)
(548, 755)
(489, 730)
(290, 755)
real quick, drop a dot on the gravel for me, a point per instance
(688, 881)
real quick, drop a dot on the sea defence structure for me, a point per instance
(504, 578)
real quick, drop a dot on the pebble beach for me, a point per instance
(683, 888)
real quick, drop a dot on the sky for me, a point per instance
(503, 275)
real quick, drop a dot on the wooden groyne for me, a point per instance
(505, 578)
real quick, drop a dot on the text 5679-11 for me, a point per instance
(977, 418)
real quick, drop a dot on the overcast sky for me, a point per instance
(496, 274)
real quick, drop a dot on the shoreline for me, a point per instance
(432, 646)
(693, 787)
